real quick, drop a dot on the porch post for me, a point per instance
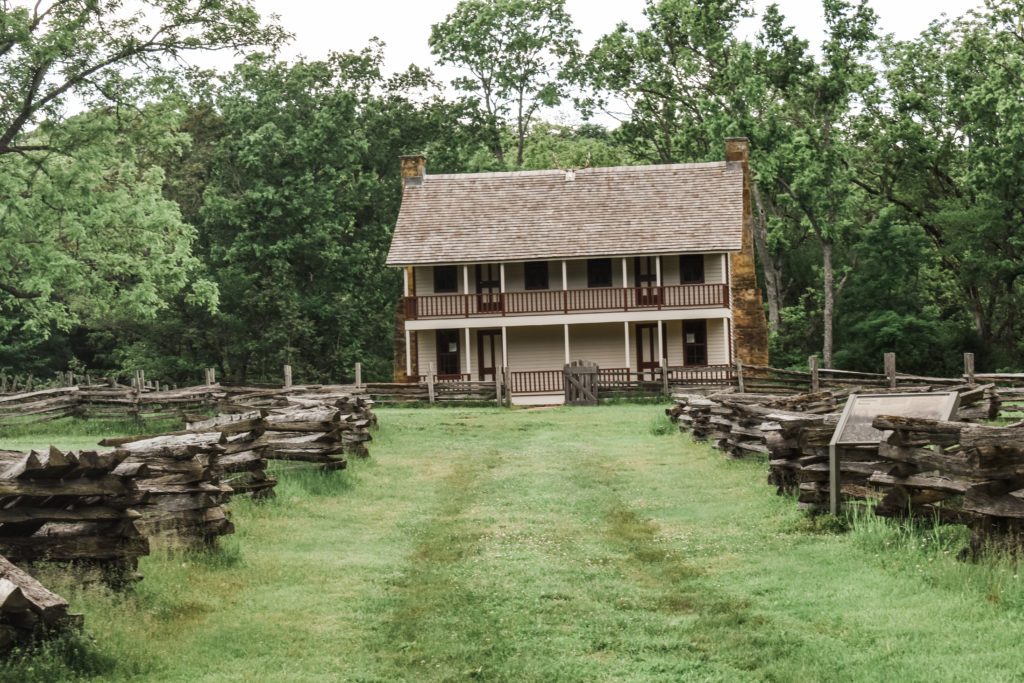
(504, 346)
(405, 282)
(624, 271)
(469, 363)
(501, 267)
(661, 343)
(408, 353)
(625, 336)
(465, 278)
(565, 277)
(566, 343)
(657, 269)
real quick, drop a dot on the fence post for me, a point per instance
(812, 362)
(506, 372)
(430, 382)
(969, 367)
(664, 376)
(211, 376)
(497, 387)
(890, 369)
(359, 374)
(739, 376)
(287, 376)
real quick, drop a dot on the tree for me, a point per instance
(515, 51)
(89, 239)
(944, 136)
(88, 48)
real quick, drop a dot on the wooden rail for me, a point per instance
(543, 302)
(538, 381)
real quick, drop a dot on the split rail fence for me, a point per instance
(959, 472)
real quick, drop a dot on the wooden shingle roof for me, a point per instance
(528, 215)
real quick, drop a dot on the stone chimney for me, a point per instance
(413, 168)
(749, 326)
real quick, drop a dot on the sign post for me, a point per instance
(854, 428)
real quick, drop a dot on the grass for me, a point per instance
(571, 544)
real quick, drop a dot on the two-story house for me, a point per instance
(624, 266)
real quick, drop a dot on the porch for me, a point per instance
(529, 360)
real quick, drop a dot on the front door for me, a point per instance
(645, 279)
(449, 364)
(488, 353)
(695, 342)
(647, 361)
(488, 288)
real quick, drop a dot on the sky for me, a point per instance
(404, 25)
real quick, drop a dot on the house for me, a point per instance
(624, 266)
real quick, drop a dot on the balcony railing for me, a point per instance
(543, 302)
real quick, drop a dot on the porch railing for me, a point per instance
(537, 381)
(541, 302)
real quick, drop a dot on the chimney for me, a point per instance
(413, 168)
(736, 150)
(749, 328)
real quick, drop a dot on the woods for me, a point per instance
(157, 215)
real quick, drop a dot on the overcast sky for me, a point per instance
(404, 25)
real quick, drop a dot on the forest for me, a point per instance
(158, 215)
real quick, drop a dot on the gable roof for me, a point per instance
(531, 215)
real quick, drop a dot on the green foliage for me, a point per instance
(89, 238)
(515, 52)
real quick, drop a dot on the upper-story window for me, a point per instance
(446, 279)
(691, 269)
(599, 272)
(535, 275)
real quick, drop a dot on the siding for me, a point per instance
(602, 344)
(427, 349)
(536, 348)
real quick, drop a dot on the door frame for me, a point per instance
(655, 362)
(488, 291)
(495, 343)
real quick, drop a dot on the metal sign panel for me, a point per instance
(855, 428)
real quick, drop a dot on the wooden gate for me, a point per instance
(581, 383)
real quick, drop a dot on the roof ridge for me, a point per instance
(588, 171)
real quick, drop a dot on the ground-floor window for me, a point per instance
(695, 342)
(448, 361)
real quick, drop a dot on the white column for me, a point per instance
(469, 363)
(661, 343)
(502, 268)
(504, 346)
(724, 259)
(657, 269)
(625, 336)
(405, 282)
(465, 278)
(408, 353)
(624, 272)
(565, 277)
(566, 342)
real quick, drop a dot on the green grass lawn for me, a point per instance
(571, 544)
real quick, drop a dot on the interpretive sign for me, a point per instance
(855, 428)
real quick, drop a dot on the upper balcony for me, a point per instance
(551, 302)
(604, 285)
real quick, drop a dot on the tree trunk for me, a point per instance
(772, 272)
(830, 302)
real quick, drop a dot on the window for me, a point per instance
(599, 272)
(535, 275)
(446, 279)
(695, 342)
(691, 269)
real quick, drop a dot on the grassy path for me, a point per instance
(557, 545)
